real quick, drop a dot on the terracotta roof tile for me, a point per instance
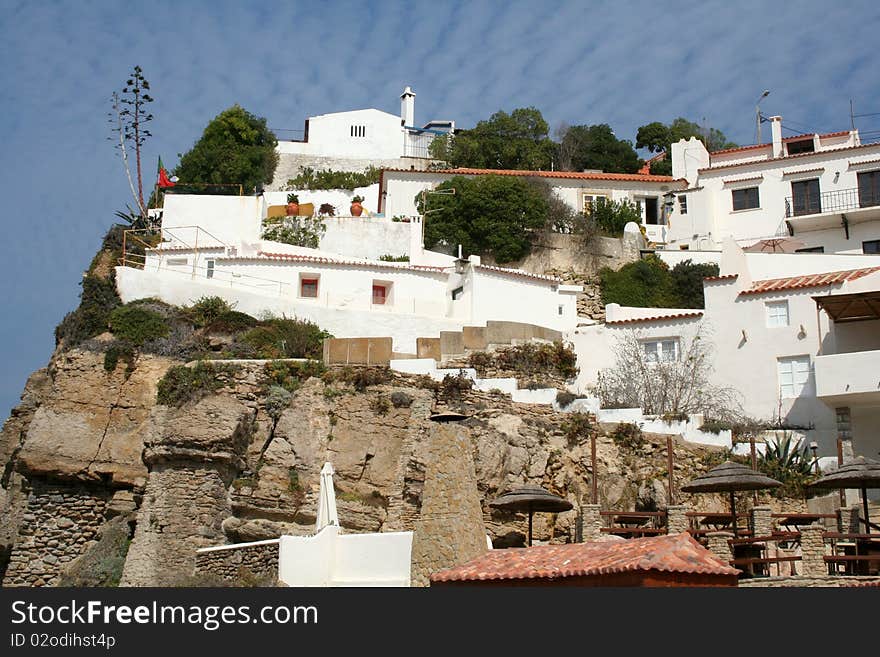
(828, 152)
(574, 175)
(676, 553)
(656, 318)
(293, 257)
(808, 280)
(723, 277)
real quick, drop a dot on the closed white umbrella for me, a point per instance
(326, 500)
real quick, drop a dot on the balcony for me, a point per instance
(831, 209)
(852, 379)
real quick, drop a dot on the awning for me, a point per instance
(851, 307)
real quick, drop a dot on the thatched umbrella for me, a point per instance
(861, 472)
(529, 499)
(730, 477)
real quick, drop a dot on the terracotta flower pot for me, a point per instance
(292, 209)
(356, 209)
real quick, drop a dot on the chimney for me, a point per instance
(408, 107)
(776, 131)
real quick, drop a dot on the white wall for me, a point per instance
(230, 219)
(499, 296)
(338, 198)
(330, 134)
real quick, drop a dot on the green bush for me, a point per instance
(297, 231)
(183, 384)
(287, 338)
(390, 258)
(359, 377)
(628, 435)
(136, 325)
(101, 564)
(531, 358)
(789, 462)
(231, 322)
(611, 217)
(455, 385)
(120, 350)
(277, 400)
(308, 178)
(380, 405)
(97, 300)
(207, 310)
(290, 376)
(576, 427)
(648, 283)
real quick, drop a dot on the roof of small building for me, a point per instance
(675, 553)
(518, 272)
(295, 257)
(808, 280)
(741, 163)
(573, 175)
(655, 318)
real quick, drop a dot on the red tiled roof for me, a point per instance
(676, 553)
(731, 181)
(809, 280)
(646, 168)
(264, 255)
(729, 165)
(794, 172)
(736, 149)
(656, 318)
(725, 277)
(208, 247)
(751, 147)
(574, 175)
(519, 272)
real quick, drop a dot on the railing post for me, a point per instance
(813, 551)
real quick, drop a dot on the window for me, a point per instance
(871, 246)
(589, 200)
(660, 350)
(805, 197)
(358, 130)
(682, 204)
(380, 294)
(811, 249)
(561, 308)
(457, 293)
(869, 189)
(801, 146)
(210, 268)
(777, 313)
(308, 287)
(177, 262)
(746, 198)
(794, 373)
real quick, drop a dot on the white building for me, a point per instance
(796, 334)
(367, 134)
(822, 191)
(398, 189)
(211, 245)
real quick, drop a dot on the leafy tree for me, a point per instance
(493, 215)
(658, 138)
(235, 148)
(611, 217)
(519, 140)
(596, 147)
(687, 279)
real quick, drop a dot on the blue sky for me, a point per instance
(622, 63)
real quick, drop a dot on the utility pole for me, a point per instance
(852, 118)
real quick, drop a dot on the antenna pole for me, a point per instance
(852, 119)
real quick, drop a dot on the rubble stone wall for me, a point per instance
(259, 560)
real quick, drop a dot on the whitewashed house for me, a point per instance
(398, 189)
(212, 245)
(782, 335)
(815, 192)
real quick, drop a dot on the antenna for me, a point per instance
(758, 116)
(852, 119)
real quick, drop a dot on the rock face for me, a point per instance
(86, 446)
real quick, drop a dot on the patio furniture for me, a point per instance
(529, 499)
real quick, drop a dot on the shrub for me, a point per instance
(611, 217)
(308, 178)
(401, 399)
(137, 325)
(531, 358)
(390, 258)
(120, 350)
(277, 400)
(687, 279)
(101, 564)
(290, 376)
(380, 405)
(359, 377)
(565, 398)
(183, 384)
(455, 385)
(648, 283)
(576, 427)
(230, 322)
(97, 300)
(790, 462)
(297, 231)
(287, 338)
(208, 309)
(327, 210)
(628, 435)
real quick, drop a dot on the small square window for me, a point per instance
(871, 246)
(746, 198)
(777, 313)
(794, 375)
(210, 268)
(657, 351)
(380, 294)
(683, 204)
(561, 309)
(308, 288)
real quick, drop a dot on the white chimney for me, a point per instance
(776, 131)
(408, 107)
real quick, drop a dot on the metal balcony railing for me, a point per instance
(836, 201)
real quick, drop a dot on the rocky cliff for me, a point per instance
(87, 446)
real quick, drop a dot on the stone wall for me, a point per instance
(289, 165)
(58, 525)
(259, 560)
(808, 582)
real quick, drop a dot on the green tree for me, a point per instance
(658, 138)
(649, 283)
(491, 215)
(235, 148)
(596, 147)
(611, 217)
(687, 279)
(519, 140)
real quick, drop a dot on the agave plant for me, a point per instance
(789, 461)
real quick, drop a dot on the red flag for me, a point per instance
(164, 181)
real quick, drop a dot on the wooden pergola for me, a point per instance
(855, 307)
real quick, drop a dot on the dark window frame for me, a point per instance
(742, 198)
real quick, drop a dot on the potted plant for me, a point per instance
(292, 205)
(327, 210)
(356, 208)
